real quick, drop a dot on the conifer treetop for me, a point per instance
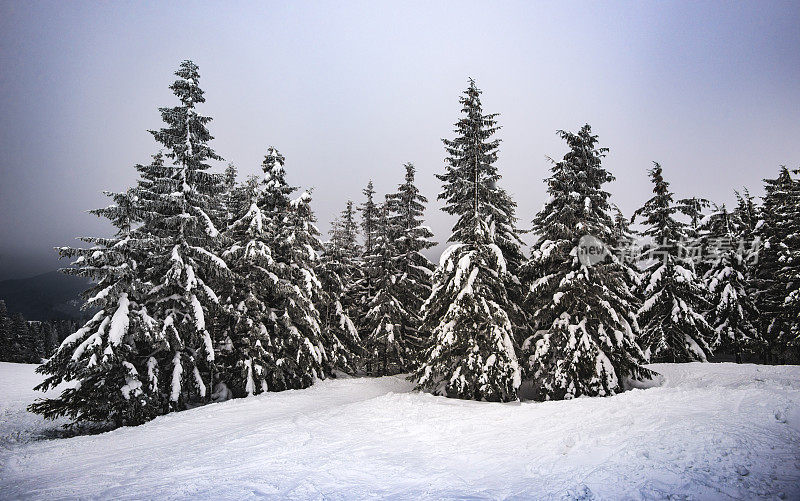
(470, 180)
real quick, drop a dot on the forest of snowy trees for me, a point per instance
(215, 288)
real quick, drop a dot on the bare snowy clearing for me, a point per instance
(711, 431)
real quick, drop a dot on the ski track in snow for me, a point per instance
(711, 431)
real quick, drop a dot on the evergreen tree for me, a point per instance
(20, 348)
(470, 156)
(338, 271)
(343, 252)
(778, 270)
(625, 248)
(471, 350)
(370, 215)
(229, 194)
(364, 287)
(694, 208)
(180, 204)
(581, 304)
(112, 355)
(277, 341)
(673, 329)
(414, 270)
(387, 321)
(339, 335)
(5, 333)
(49, 339)
(734, 313)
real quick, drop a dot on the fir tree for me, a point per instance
(22, 341)
(694, 208)
(180, 204)
(343, 251)
(5, 333)
(386, 318)
(49, 338)
(414, 270)
(673, 329)
(778, 270)
(229, 193)
(339, 335)
(370, 214)
(338, 271)
(363, 288)
(112, 356)
(470, 157)
(276, 341)
(625, 247)
(582, 307)
(471, 351)
(734, 313)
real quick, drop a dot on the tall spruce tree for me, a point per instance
(406, 209)
(338, 271)
(112, 357)
(5, 333)
(370, 216)
(474, 150)
(734, 314)
(340, 338)
(386, 319)
(364, 287)
(343, 255)
(778, 270)
(180, 204)
(471, 353)
(694, 208)
(673, 327)
(402, 281)
(277, 337)
(583, 308)
(20, 349)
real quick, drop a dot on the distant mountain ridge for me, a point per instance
(48, 296)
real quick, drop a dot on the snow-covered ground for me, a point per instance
(711, 431)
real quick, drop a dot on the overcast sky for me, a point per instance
(349, 91)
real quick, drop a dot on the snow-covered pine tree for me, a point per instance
(733, 314)
(338, 270)
(298, 250)
(228, 195)
(621, 232)
(370, 214)
(626, 248)
(339, 335)
(112, 356)
(777, 275)
(474, 145)
(342, 256)
(180, 204)
(246, 359)
(673, 327)
(277, 339)
(471, 352)
(694, 208)
(364, 287)
(5, 333)
(19, 346)
(583, 309)
(406, 217)
(385, 317)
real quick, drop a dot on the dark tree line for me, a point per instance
(25, 341)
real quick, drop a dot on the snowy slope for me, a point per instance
(712, 431)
